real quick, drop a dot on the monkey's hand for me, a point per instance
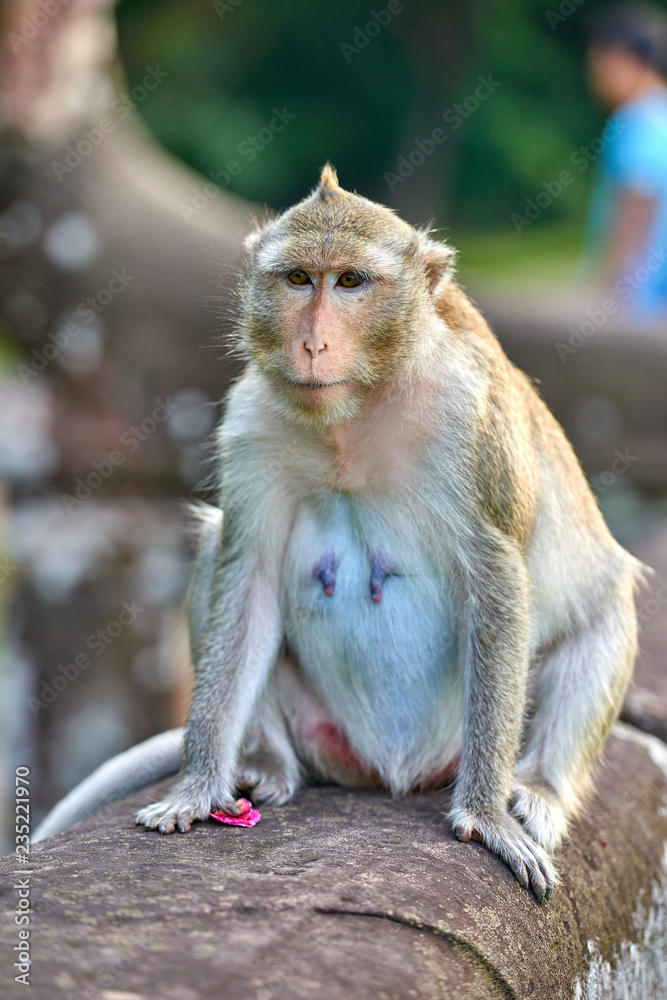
(504, 836)
(186, 804)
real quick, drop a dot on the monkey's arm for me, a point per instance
(238, 649)
(497, 609)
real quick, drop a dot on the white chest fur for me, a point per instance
(374, 630)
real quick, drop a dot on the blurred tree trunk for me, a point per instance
(437, 40)
(115, 287)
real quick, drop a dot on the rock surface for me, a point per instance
(355, 895)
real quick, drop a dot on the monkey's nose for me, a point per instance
(314, 349)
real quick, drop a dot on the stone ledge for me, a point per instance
(355, 895)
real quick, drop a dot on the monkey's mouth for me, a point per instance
(318, 395)
(316, 383)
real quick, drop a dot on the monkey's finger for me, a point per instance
(465, 835)
(541, 872)
(550, 878)
(537, 881)
(153, 817)
(228, 806)
(184, 823)
(517, 866)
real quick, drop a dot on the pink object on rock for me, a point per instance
(248, 817)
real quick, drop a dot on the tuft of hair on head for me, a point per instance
(328, 186)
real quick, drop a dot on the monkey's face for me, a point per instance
(333, 297)
(327, 339)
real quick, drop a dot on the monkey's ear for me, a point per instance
(438, 260)
(328, 186)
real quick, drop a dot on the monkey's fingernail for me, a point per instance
(463, 837)
(548, 894)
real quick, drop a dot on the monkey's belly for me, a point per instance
(374, 633)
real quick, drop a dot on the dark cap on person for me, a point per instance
(638, 28)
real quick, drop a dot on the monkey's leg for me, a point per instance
(581, 688)
(495, 688)
(269, 769)
(242, 641)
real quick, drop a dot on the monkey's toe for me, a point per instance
(265, 784)
(267, 788)
(541, 814)
(273, 789)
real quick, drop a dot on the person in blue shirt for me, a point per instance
(627, 69)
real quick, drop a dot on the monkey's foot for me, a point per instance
(182, 808)
(265, 781)
(541, 814)
(504, 836)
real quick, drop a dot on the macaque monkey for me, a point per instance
(405, 548)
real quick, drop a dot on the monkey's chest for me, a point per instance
(371, 624)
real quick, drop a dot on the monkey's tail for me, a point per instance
(137, 767)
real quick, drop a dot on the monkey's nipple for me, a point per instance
(325, 571)
(380, 570)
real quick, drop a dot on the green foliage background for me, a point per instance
(231, 62)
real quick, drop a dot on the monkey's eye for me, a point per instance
(349, 280)
(298, 278)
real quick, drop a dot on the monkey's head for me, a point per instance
(336, 295)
